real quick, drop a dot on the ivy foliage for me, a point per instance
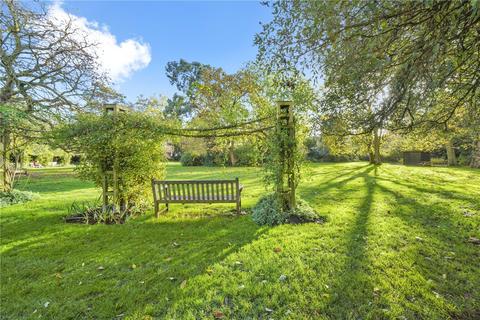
(282, 148)
(8, 198)
(268, 211)
(126, 142)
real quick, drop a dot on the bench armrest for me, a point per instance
(240, 188)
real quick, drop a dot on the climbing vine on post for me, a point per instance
(285, 134)
(282, 165)
(110, 171)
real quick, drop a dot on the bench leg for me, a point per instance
(239, 207)
(156, 209)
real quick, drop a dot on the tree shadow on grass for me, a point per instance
(49, 182)
(351, 289)
(339, 174)
(445, 194)
(438, 240)
(103, 271)
(313, 191)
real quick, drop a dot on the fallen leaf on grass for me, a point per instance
(183, 284)
(101, 268)
(268, 310)
(46, 304)
(134, 266)
(218, 314)
(282, 277)
(474, 240)
(277, 249)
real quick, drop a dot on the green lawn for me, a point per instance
(393, 247)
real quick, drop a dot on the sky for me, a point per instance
(136, 39)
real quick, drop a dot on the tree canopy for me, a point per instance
(397, 59)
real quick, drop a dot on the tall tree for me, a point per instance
(403, 52)
(184, 75)
(47, 71)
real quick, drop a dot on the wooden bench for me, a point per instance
(21, 172)
(196, 191)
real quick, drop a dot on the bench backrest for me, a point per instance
(196, 191)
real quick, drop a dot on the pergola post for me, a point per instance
(286, 136)
(110, 175)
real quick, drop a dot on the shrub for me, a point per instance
(247, 155)
(16, 196)
(130, 142)
(189, 159)
(268, 212)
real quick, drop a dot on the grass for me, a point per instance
(394, 247)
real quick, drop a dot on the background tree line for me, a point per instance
(367, 79)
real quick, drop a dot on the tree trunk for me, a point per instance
(231, 154)
(475, 163)
(376, 147)
(371, 156)
(452, 159)
(6, 168)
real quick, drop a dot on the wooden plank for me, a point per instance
(167, 191)
(183, 191)
(192, 181)
(154, 187)
(237, 189)
(173, 192)
(188, 192)
(199, 201)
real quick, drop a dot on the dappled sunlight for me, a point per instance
(392, 246)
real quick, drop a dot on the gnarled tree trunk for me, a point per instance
(475, 163)
(451, 158)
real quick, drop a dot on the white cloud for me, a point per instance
(117, 60)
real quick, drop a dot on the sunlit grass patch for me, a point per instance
(394, 246)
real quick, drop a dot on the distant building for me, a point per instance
(416, 158)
